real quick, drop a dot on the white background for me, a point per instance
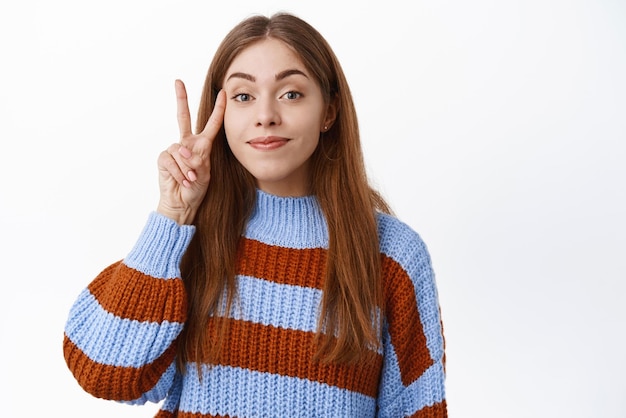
(496, 129)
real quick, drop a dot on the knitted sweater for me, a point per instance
(120, 334)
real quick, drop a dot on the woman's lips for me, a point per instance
(267, 143)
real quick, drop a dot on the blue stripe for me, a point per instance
(391, 386)
(279, 305)
(239, 392)
(428, 307)
(110, 340)
(173, 397)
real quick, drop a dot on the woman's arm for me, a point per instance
(120, 336)
(413, 378)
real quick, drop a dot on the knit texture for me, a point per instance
(120, 336)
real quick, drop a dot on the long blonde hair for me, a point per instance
(352, 292)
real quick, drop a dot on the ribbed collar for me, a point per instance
(292, 222)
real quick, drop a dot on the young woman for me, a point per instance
(271, 280)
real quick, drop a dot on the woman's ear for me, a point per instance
(330, 115)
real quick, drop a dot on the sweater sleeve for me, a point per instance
(120, 335)
(413, 376)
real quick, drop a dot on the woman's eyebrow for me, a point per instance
(280, 76)
(290, 72)
(242, 75)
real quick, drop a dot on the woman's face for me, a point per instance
(274, 115)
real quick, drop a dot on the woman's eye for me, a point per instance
(292, 95)
(242, 97)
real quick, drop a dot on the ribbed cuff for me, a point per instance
(160, 247)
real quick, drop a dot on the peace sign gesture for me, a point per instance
(185, 168)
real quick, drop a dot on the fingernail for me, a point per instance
(186, 183)
(192, 175)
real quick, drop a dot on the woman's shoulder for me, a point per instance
(400, 241)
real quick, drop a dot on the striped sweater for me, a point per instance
(119, 339)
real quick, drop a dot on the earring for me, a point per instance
(325, 128)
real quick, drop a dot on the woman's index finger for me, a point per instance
(214, 123)
(182, 109)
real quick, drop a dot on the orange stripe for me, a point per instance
(128, 293)
(165, 414)
(289, 352)
(405, 327)
(438, 410)
(300, 267)
(114, 382)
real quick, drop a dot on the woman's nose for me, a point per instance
(268, 112)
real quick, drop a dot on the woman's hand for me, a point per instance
(185, 168)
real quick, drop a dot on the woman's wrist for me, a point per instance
(180, 216)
